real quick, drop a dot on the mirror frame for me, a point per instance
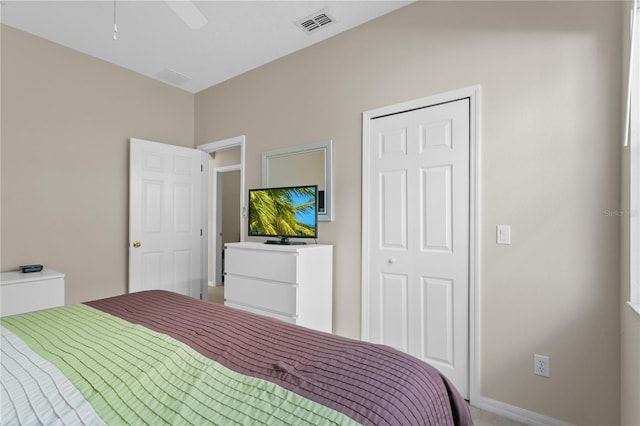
(327, 148)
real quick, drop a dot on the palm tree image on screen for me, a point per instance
(283, 212)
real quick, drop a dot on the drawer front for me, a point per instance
(20, 298)
(289, 319)
(268, 295)
(262, 264)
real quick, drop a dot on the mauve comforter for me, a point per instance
(372, 384)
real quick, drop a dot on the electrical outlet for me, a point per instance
(541, 365)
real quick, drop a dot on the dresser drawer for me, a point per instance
(268, 295)
(285, 318)
(292, 283)
(276, 266)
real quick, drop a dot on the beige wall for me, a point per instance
(550, 158)
(231, 207)
(629, 320)
(66, 121)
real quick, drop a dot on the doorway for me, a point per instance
(226, 208)
(226, 214)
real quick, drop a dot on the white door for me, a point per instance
(418, 236)
(165, 216)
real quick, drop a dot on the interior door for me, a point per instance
(165, 218)
(418, 235)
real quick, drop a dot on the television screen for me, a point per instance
(289, 212)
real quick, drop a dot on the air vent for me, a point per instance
(173, 77)
(315, 21)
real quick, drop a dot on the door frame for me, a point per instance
(209, 148)
(473, 93)
(216, 184)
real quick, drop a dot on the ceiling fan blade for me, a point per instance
(188, 12)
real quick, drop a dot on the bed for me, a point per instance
(156, 357)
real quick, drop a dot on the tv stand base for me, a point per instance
(285, 242)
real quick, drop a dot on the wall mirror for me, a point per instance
(309, 164)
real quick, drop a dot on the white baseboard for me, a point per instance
(211, 284)
(515, 413)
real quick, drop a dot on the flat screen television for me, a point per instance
(287, 212)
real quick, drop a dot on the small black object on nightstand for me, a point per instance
(31, 268)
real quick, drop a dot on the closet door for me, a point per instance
(417, 202)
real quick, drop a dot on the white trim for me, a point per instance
(516, 413)
(364, 245)
(473, 93)
(632, 55)
(230, 168)
(474, 242)
(223, 144)
(633, 132)
(204, 226)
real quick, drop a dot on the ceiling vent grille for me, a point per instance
(173, 77)
(315, 21)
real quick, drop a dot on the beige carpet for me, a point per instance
(485, 418)
(216, 294)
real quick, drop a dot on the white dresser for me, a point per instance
(33, 291)
(291, 283)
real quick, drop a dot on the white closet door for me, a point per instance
(418, 233)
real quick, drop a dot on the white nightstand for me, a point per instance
(33, 291)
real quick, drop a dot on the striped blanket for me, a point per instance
(161, 358)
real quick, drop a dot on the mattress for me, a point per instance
(157, 357)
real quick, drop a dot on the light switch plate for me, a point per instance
(503, 234)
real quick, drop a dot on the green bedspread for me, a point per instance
(133, 375)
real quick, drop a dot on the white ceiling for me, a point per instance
(151, 38)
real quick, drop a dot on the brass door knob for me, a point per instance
(136, 244)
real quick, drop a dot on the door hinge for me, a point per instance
(202, 167)
(201, 232)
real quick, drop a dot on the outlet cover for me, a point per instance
(541, 365)
(503, 234)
